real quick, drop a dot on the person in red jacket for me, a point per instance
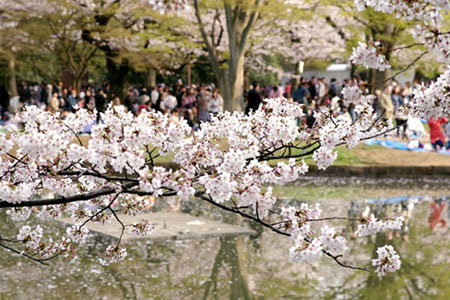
(436, 135)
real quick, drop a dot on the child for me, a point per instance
(436, 135)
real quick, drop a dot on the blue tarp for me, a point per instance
(391, 200)
(399, 146)
(399, 199)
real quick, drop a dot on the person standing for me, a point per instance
(203, 106)
(254, 99)
(301, 94)
(154, 95)
(100, 103)
(4, 100)
(216, 103)
(169, 103)
(437, 137)
(53, 106)
(275, 93)
(129, 100)
(313, 88)
(72, 100)
(322, 88)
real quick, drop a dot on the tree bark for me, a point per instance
(151, 77)
(12, 75)
(235, 85)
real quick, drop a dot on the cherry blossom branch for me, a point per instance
(303, 154)
(334, 218)
(407, 46)
(63, 199)
(96, 174)
(100, 211)
(41, 261)
(121, 224)
(402, 70)
(74, 133)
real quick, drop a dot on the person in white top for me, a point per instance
(154, 95)
(215, 102)
(169, 102)
(322, 87)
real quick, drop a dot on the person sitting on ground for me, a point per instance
(447, 133)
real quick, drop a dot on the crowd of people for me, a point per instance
(388, 102)
(194, 103)
(197, 103)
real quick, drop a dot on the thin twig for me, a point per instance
(23, 254)
(402, 70)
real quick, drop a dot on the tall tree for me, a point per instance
(240, 18)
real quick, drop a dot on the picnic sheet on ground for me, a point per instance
(399, 146)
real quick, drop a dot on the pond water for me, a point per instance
(258, 267)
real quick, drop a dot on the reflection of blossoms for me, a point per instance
(143, 228)
(388, 260)
(373, 225)
(307, 252)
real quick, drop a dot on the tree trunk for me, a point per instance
(239, 20)
(12, 75)
(381, 77)
(235, 86)
(77, 79)
(118, 78)
(372, 80)
(151, 77)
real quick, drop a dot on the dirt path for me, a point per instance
(392, 157)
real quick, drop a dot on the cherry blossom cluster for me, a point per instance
(163, 5)
(34, 243)
(388, 261)
(437, 41)
(433, 100)
(373, 225)
(369, 56)
(430, 11)
(77, 234)
(231, 161)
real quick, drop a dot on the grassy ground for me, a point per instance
(366, 155)
(361, 155)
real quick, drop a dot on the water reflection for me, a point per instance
(250, 267)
